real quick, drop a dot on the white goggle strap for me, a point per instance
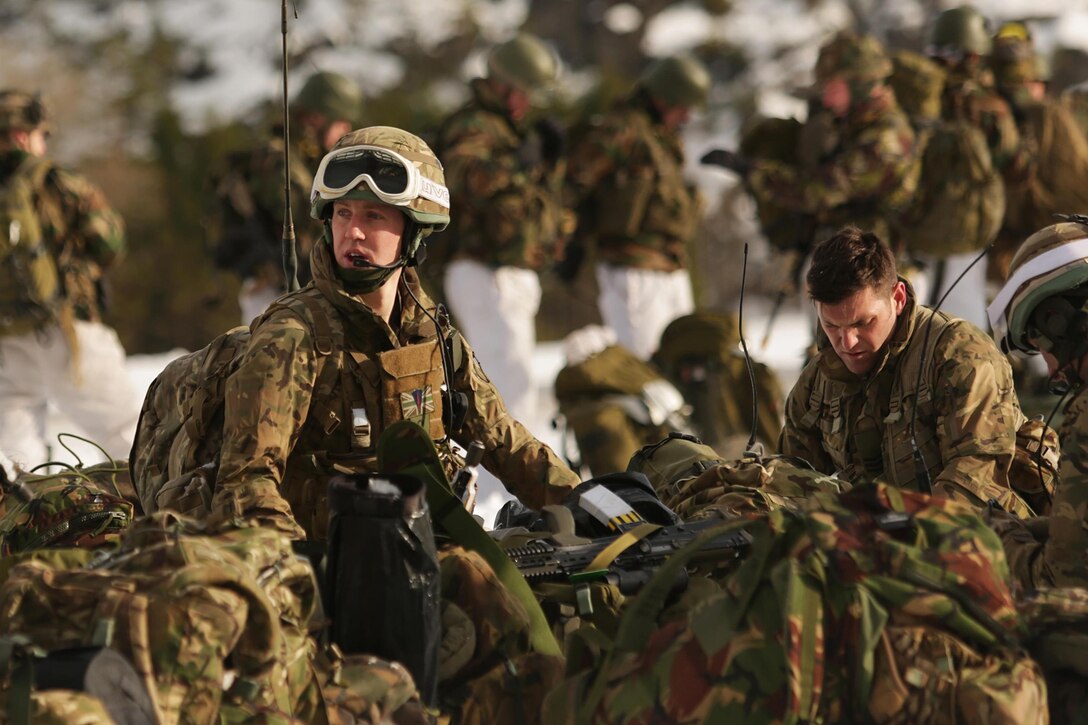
(1050, 261)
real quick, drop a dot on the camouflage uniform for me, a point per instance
(626, 178)
(72, 360)
(861, 428)
(507, 227)
(286, 423)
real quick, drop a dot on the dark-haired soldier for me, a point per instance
(897, 391)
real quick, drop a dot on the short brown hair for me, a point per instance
(848, 262)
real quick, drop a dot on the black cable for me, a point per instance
(440, 311)
(747, 357)
(921, 468)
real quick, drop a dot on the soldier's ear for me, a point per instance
(899, 296)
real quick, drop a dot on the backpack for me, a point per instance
(175, 451)
(959, 203)
(29, 281)
(698, 354)
(875, 605)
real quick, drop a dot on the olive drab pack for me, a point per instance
(29, 282)
(875, 605)
(615, 403)
(699, 354)
(960, 199)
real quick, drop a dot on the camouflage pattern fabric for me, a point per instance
(837, 615)
(1055, 621)
(969, 96)
(860, 169)
(509, 212)
(284, 427)
(365, 690)
(67, 707)
(966, 423)
(84, 234)
(1058, 559)
(249, 193)
(625, 178)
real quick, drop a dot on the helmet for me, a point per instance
(679, 81)
(1045, 293)
(1013, 59)
(20, 111)
(524, 61)
(857, 58)
(960, 31)
(332, 95)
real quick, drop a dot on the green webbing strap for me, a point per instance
(450, 515)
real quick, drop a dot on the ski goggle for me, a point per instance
(391, 177)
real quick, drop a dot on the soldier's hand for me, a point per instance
(730, 160)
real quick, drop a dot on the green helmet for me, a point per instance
(856, 58)
(679, 81)
(1048, 271)
(524, 62)
(332, 95)
(960, 31)
(20, 111)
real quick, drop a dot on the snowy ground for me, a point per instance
(783, 354)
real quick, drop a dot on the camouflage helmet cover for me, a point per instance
(678, 81)
(1051, 262)
(334, 96)
(524, 62)
(429, 215)
(856, 58)
(960, 31)
(20, 111)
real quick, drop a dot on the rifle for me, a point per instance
(542, 560)
(802, 245)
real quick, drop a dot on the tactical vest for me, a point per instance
(29, 282)
(645, 212)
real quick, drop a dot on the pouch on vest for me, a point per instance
(382, 581)
(622, 212)
(412, 380)
(29, 282)
(1034, 470)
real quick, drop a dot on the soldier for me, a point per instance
(505, 175)
(59, 236)
(1059, 178)
(857, 156)
(329, 366)
(1043, 309)
(626, 179)
(960, 41)
(897, 391)
(251, 193)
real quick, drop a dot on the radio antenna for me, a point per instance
(287, 246)
(747, 358)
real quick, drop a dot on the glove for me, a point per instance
(553, 140)
(567, 268)
(727, 160)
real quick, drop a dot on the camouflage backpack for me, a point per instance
(876, 605)
(29, 282)
(699, 355)
(175, 452)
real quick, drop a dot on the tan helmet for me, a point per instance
(525, 61)
(20, 111)
(854, 57)
(678, 81)
(1046, 289)
(426, 200)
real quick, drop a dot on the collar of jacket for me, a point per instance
(414, 324)
(488, 100)
(10, 161)
(897, 342)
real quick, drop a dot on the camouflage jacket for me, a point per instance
(1058, 560)
(287, 420)
(967, 411)
(85, 235)
(861, 169)
(509, 211)
(626, 178)
(249, 194)
(971, 97)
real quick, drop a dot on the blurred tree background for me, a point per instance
(148, 95)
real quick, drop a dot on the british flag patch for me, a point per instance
(417, 404)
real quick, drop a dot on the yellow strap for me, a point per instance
(622, 543)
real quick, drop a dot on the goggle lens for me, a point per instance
(386, 173)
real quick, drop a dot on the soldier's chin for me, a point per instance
(859, 364)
